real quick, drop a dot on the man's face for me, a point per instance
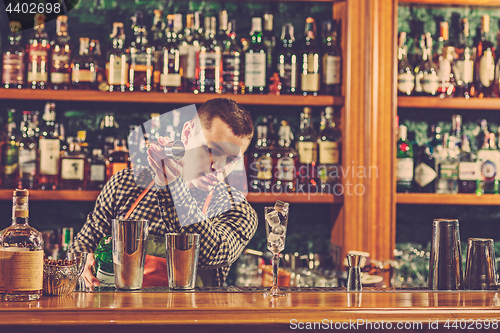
(211, 153)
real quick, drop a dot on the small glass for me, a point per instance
(276, 225)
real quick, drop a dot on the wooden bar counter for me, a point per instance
(417, 311)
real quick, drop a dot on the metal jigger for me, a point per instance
(175, 150)
(354, 274)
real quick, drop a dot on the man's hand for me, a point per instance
(89, 278)
(166, 170)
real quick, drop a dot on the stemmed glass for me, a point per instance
(276, 224)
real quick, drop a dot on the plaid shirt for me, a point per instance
(225, 229)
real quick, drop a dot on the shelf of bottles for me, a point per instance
(447, 199)
(174, 98)
(457, 103)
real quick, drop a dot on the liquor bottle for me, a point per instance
(286, 159)
(482, 134)
(406, 78)
(73, 167)
(60, 68)
(21, 255)
(13, 59)
(308, 153)
(117, 61)
(27, 153)
(95, 52)
(9, 159)
(488, 158)
(103, 268)
(261, 161)
(170, 75)
(287, 60)
(447, 182)
(456, 132)
(485, 61)
(118, 158)
(189, 49)
(209, 61)
(97, 171)
(231, 63)
(158, 34)
(436, 138)
(425, 171)
(332, 59)
(141, 57)
(330, 145)
(404, 154)
(65, 242)
(108, 131)
(84, 68)
(468, 171)
(310, 77)
(256, 61)
(37, 52)
(426, 78)
(442, 42)
(464, 63)
(446, 65)
(49, 146)
(269, 42)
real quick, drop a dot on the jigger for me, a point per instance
(445, 266)
(354, 274)
(480, 272)
(174, 150)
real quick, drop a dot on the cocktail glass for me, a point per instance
(276, 225)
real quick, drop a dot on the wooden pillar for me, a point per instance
(368, 148)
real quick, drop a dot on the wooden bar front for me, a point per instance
(251, 312)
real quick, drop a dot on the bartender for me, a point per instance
(186, 196)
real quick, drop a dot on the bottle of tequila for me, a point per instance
(37, 52)
(287, 61)
(13, 72)
(255, 61)
(27, 153)
(60, 69)
(117, 61)
(49, 146)
(21, 255)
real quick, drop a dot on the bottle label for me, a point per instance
(424, 174)
(209, 60)
(38, 77)
(27, 161)
(72, 169)
(106, 279)
(264, 165)
(448, 171)
(255, 69)
(115, 167)
(49, 156)
(141, 61)
(117, 68)
(331, 69)
(191, 62)
(60, 61)
(430, 83)
(406, 82)
(170, 80)
(488, 170)
(465, 70)
(58, 78)
(489, 161)
(285, 167)
(83, 75)
(444, 72)
(13, 69)
(309, 82)
(21, 270)
(487, 68)
(38, 63)
(307, 152)
(328, 152)
(404, 169)
(288, 74)
(11, 159)
(468, 171)
(97, 173)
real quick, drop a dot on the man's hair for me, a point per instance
(233, 114)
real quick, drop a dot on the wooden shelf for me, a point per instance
(449, 103)
(172, 98)
(68, 195)
(447, 199)
(473, 3)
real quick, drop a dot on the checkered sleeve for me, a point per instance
(97, 224)
(222, 237)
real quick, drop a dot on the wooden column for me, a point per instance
(369, 204)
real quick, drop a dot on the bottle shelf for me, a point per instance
(475, 3)
(447, 199)
(71, 195)
(459, 103)
(173, 98)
